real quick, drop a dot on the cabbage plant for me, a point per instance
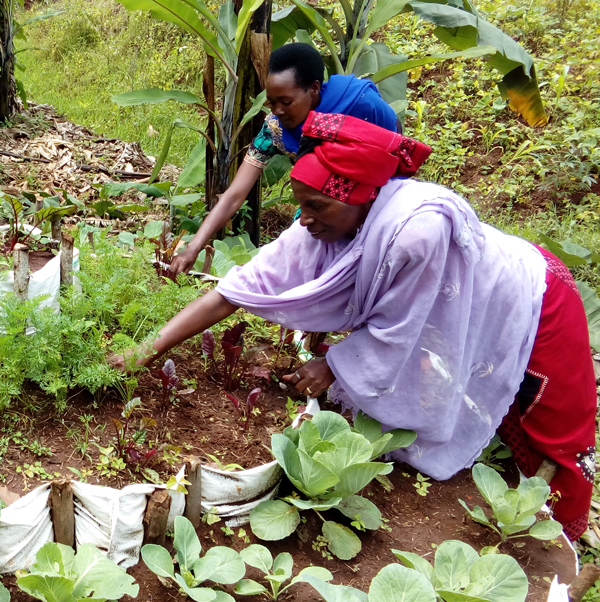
(220, 564)
(276, 572)
(60, 575)
(458, 574)
(513, 510)
(329, 462)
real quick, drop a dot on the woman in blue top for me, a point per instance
(294, 88)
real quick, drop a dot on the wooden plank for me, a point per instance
(193, 502)
(156, 516)
(208, 257)
(589, 574)
(63, 512)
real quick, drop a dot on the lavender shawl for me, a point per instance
(443, 312)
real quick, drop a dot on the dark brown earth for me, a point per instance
(205, 422)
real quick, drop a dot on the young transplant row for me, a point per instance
(329, 462)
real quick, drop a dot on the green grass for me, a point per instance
(94, 50)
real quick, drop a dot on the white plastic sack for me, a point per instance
(25, 526)
(43, 282)
(112, 519)
(235, 493)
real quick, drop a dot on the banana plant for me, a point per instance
(225, 38)
(458, 24)
(10, 30)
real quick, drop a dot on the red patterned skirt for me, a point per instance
(554, 413)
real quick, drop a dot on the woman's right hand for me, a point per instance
(132, 360)
(182, 262)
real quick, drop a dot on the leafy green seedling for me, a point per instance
(422, 485)
(276, 572)
(458, 574)
(329, 462)
(225, 467)
(60, 575)
(513, 510)
(229, 252)
(219, 564)
(17, 214)
(496, 450)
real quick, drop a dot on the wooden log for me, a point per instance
(66, 260)
(155, 518)
(63, 511)
(91, 239)
(208, 257)
(193, 502)
(589, 574)
(56, 227)
(21, 270)
(547, 470)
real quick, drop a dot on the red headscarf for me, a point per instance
(355, 157)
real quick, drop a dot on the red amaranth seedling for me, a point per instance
(168, 378)
(208, 344)
(126, 444)
(232, 344)
(245, 411)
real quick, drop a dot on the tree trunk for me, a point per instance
(252, 68)
(8, 92)
(208, 89)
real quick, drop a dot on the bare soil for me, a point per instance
(204, 421)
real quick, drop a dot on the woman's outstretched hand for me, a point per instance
(312, 379)
(182, 262)
(132, 360)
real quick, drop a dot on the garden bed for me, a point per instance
(205, 423)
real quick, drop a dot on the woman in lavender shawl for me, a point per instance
(454, 325)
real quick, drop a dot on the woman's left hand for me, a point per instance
(313, 378)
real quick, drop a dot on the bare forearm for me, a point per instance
(193, 319)
(215, 220)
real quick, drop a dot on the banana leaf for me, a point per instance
(373, 59)
(460, 30)
(591, 304)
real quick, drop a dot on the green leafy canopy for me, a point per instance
(329, 462)
(60, 575)
(220, 564)
(458, 574)
(513, 510)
